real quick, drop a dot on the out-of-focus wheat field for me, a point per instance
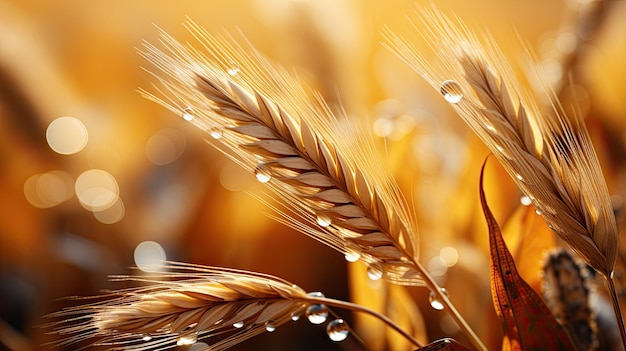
(124, 180)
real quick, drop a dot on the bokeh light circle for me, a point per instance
(66, 135)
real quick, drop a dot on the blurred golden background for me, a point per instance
(94, 179)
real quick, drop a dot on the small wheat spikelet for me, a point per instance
(548, 155)
(318, 164)
(179, 307)
(220, 306)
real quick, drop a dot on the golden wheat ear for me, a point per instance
(313, 160)
(220, 306)
(316, 162)
(178, 308)
(547, 154)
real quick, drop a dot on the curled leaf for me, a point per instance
(527, 322)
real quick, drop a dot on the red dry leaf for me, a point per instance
(443, 344)
(527, 322)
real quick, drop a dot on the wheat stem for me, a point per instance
(358, 308)
(449, 306)
(616, 308)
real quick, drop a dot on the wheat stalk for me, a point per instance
(548, 155)
(315, 162)
(192, 302)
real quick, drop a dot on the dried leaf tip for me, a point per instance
(326, 170)
(547, 154)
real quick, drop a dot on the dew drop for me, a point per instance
(317, 314)
(188, 114)
(352, 255)
(234, 69)
(519, 177)
(434, 300)
(238, 324)
(337, 330)
(295, 316)
(323, 220)
(262, 173)
(215, 133)
(315, 294)
(270, 326)
(451, 91)
(375, 271)
(187, 339)
(525, 200)
(538, 211)
(146, 337)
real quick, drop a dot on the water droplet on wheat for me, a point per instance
(538, 211)
(188, 114)
(238, 324)
(317, 313)
(216, 133)
(233, 70)
(352, 255)
(525, 200)
(262, 173)
(323, 220)
(295, 316)
(519, 177)
(146, 337)
(187, 339)
(337, 330)
(270, 326)
(434, 300)
(451, 91)
(315, 294)
(375, 271)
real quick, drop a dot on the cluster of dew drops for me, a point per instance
(337, 329)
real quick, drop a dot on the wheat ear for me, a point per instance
(548, 155)
(192, 302)
(319, 165)
(566, 290)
